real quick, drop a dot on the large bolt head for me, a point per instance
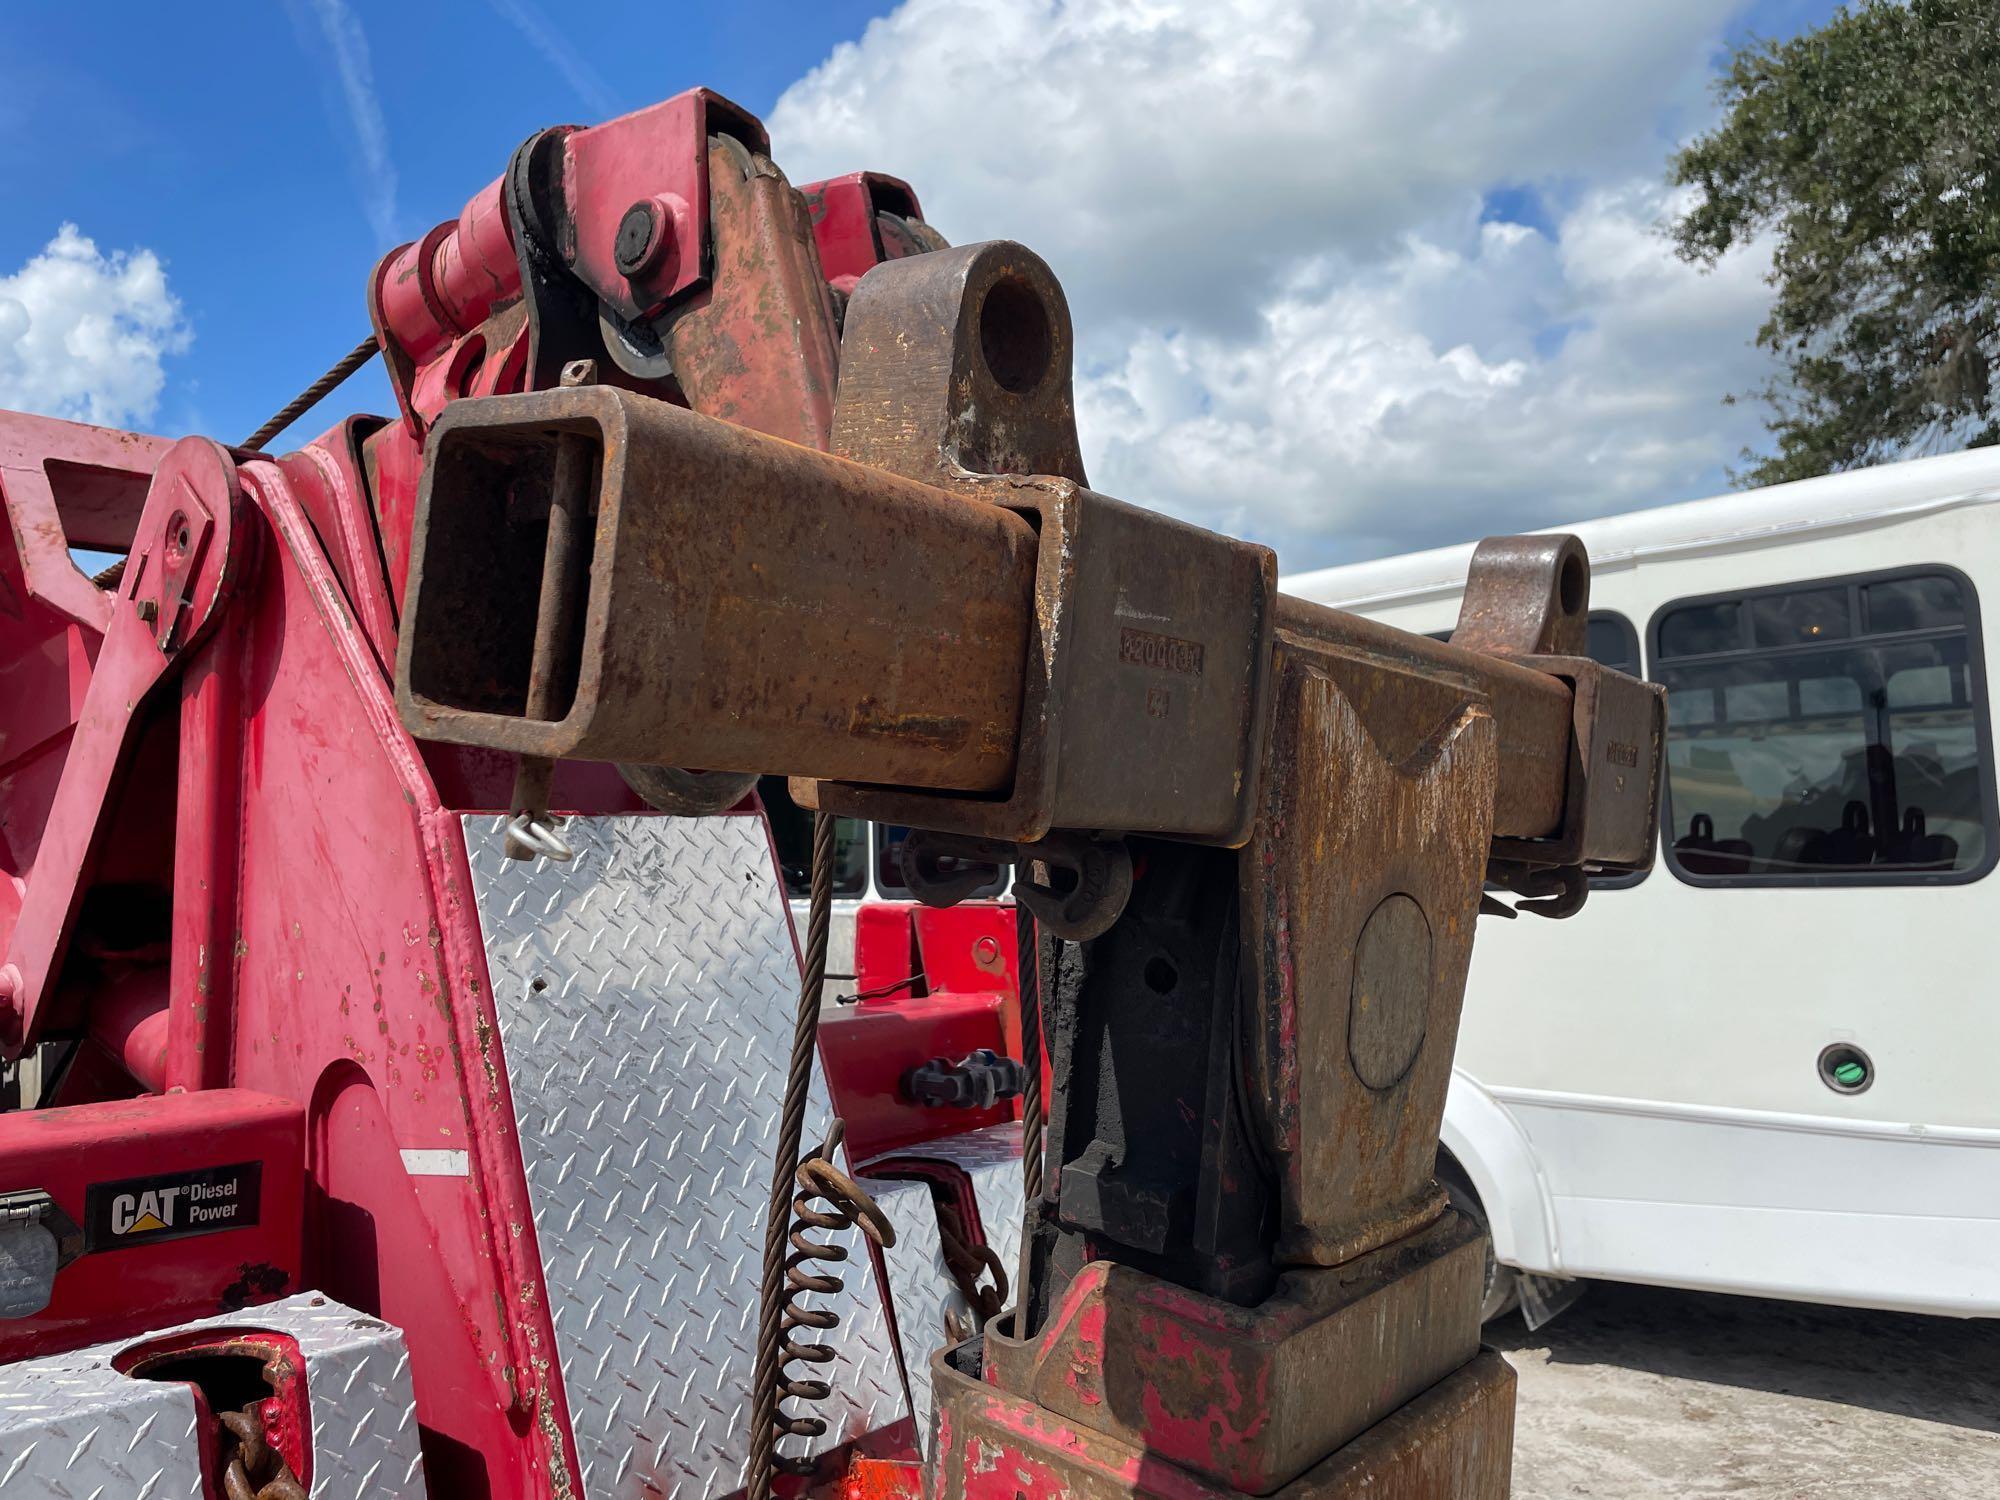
(638, 237)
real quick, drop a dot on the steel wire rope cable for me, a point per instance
(1028, 989)
(1028, 986)
(312, 395)
(792, 1220)
(297, 407)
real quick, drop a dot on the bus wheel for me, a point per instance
(1503, 1284)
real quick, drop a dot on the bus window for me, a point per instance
(792, 832)
(889, 866)
(1611, 641)
(1828, 733)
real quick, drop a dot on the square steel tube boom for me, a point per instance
(752, 605)
(758, 606)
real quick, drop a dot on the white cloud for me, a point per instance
(1266, 213)
(83, 334)
(1445, 393)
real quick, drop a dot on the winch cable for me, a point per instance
(312, 395)
(1028, 986)
(1026, 968)
(792, 1218)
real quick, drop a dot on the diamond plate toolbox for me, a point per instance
(72, 1426)
(646, 993)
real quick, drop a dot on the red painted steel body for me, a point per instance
(107, 1293)
(930, 984)
(230, 876)
(846, 217)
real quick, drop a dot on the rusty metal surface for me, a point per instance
(1531, 711)
(1611, 798)
(960, 637)
(758, 347)
(753, 606)
(1148, 673)
(1454, 1441)
(1151, 634)
(1249, 1398)
(956, 365)
(1378, 798)
(1525, 595)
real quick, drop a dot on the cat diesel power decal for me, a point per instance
(172, 1205)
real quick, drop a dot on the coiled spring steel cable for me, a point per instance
(828, 1201)
(793, 1219)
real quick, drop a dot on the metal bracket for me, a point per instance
(37, 1239)
(1075, 886)
(185, 558)
(956, 371)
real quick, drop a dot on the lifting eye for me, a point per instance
(1014, 336)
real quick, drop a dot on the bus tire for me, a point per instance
(1501, 1292)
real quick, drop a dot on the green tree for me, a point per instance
(1869, 150)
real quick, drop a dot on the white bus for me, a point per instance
(867, 867)
(1772, 1064)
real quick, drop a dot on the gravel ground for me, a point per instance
(1636, 1393)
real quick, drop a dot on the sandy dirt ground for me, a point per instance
(1636, 1393)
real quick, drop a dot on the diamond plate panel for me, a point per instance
(920, 1283)
(645, 994)
(992, 1159)
(72, 1426)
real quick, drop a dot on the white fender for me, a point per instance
(1498, 1159)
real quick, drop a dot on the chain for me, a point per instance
(254, 1469)
(968, 1262)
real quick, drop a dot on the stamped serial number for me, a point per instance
(1142, 648)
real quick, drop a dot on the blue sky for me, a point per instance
(213, 136)
(1405, 287)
